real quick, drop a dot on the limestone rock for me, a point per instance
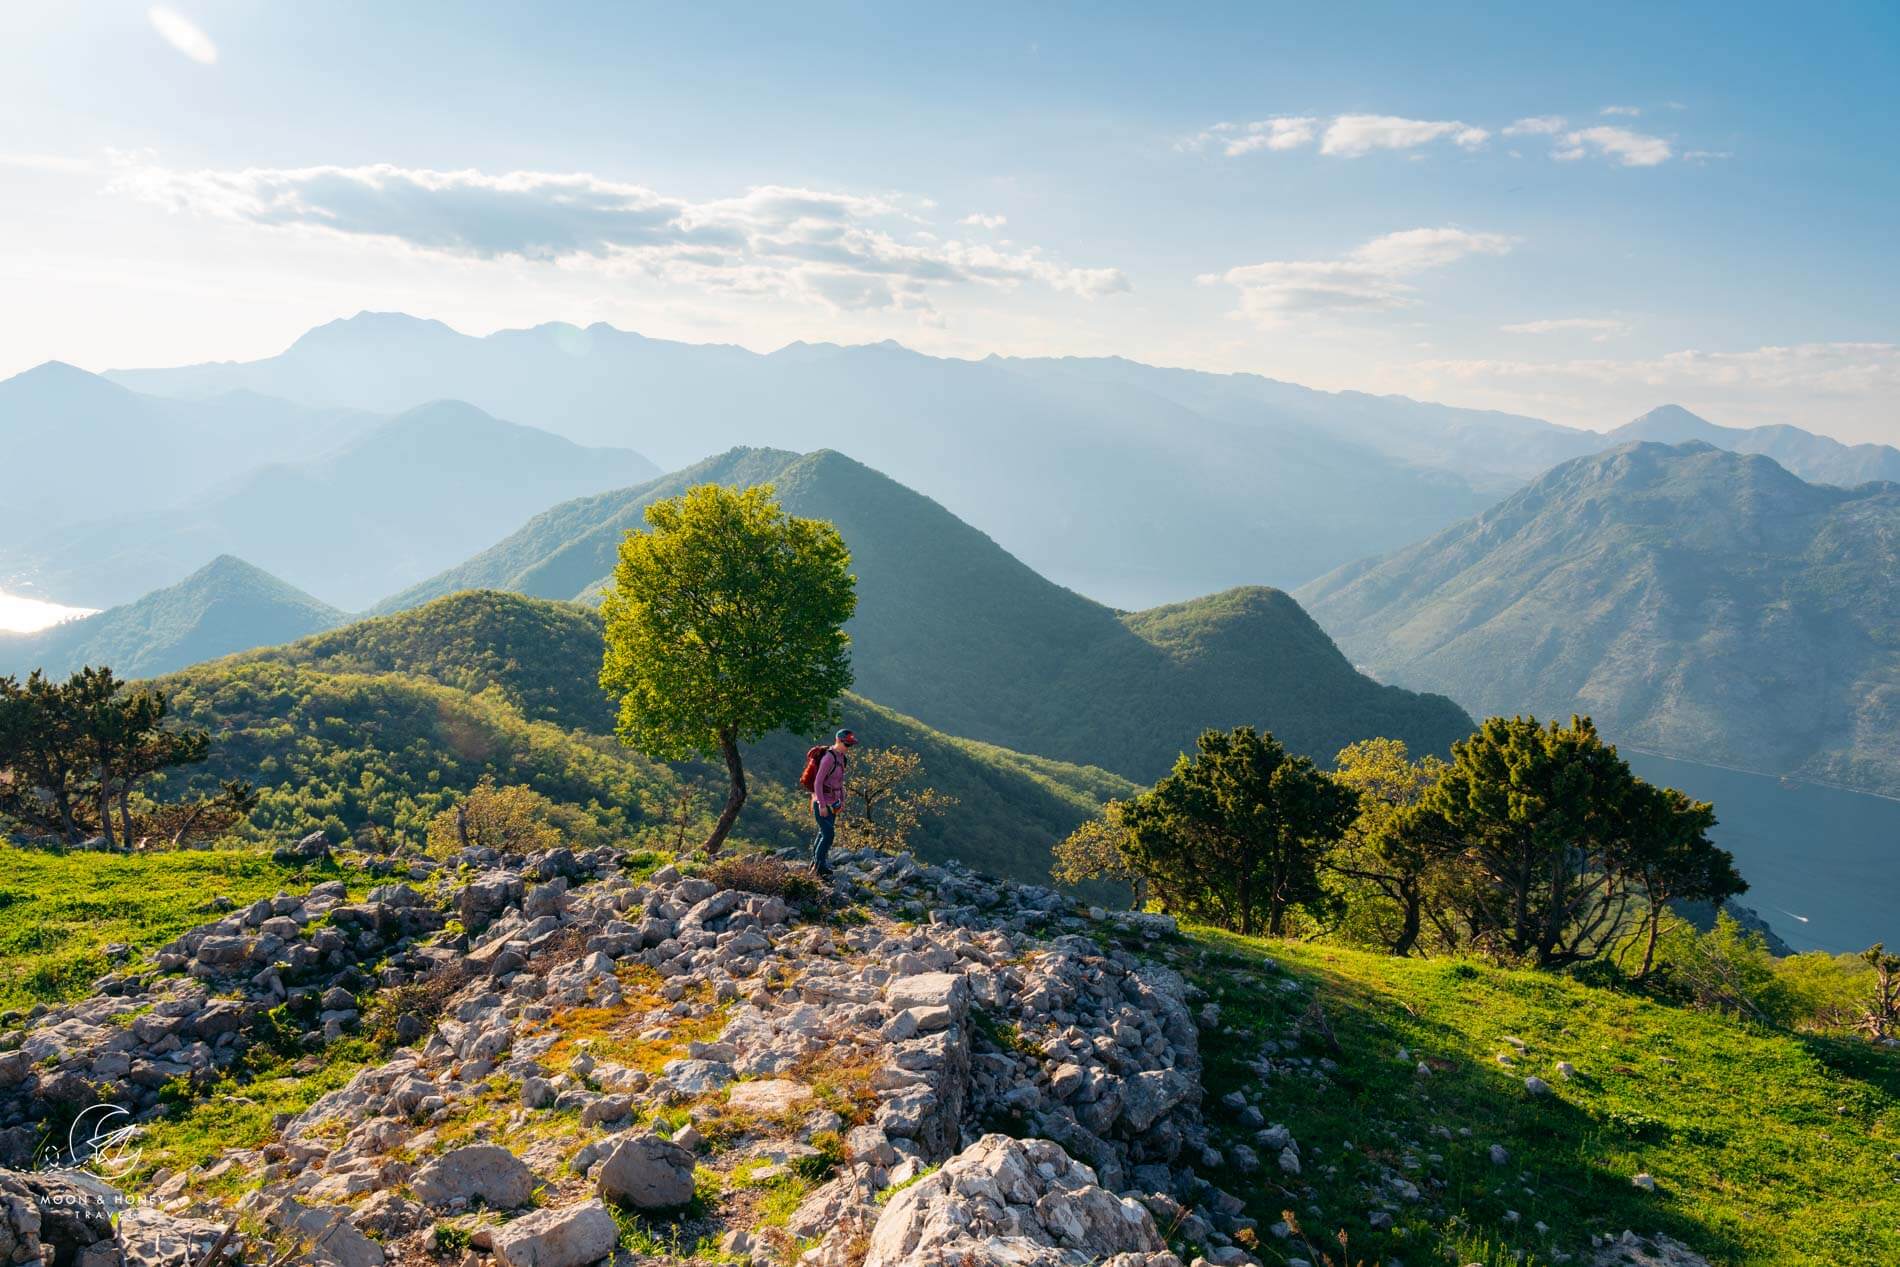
(647, 1172)
(1025, 1203)
(567, 1237)
(485, 1172)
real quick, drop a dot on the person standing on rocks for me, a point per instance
(827, 797)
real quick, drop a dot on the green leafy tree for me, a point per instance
(1882, 1016)
(1237, 830)
(1099, 849)
(1669, 855)
(886, 800)
(73, 752)
(1382, 850)
(725, 622)
(1553, 840)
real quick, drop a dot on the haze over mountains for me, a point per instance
(1701, 603)
(396, 500)
(225, 606)
(1131, 483)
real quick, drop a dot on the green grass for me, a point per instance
(59, 912)
(1769, 1149)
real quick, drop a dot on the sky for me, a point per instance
(1577, 212)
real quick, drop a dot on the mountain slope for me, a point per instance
(1704, 604)
(502, 684)
(1817, 459)
(403, 500)
(954, 630)
(55, 419)
(225, 606)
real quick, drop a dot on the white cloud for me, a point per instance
(978, 220)
(1288, 132)
(1628, 112)
(1631, 149)
(843, 251)
(1354, 135)
(182, 34)
(1370, 278)
(1536, 125)
(1600, 328)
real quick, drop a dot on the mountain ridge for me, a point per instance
(955, 630)
(1700, 603)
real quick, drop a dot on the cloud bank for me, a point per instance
(1357, 135)
(845, 251)
(1370, 278)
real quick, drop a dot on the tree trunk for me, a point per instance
(1408, 931)
(105, 813)
(1649, 947)
(125, 816)
(735, 799)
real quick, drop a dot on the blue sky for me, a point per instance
(1576, 214)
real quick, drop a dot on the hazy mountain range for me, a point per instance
(386, 502)
(1701, 603)
(1128, 482)
(225, 606)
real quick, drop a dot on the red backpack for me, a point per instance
(809, 779)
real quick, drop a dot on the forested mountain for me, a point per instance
(163, 451)
(1700, 603)
(952, 629)
(1817, 459)
(384, 721)
(404, 499)
(225, 606)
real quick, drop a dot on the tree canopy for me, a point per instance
(725, 622)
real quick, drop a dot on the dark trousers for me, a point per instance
(827, 819)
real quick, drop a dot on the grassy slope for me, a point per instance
(59, 912)
(1770, 1150)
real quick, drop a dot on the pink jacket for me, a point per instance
(827, 788)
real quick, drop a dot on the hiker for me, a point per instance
(824, 775)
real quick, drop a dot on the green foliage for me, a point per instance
(1100, 849)
(513, 819)
(73, 752)
(1237, 831)
(886, 799)
(1551, 837)
(1769, 1149)
(725, 623)
(384, 754)
(1387, 874)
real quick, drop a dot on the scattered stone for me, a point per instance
(647, 1172)
(567, 1237)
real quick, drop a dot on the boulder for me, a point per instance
(568, 1237)
(1024, 1203)
(486, 1172)
(647, 1172)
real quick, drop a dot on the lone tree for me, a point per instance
(1238, 830)
(72, 752)
(725, 622)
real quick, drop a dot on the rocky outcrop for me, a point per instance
(586, 1041)
(1007, 1201)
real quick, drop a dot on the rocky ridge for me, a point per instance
(571, 1064)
